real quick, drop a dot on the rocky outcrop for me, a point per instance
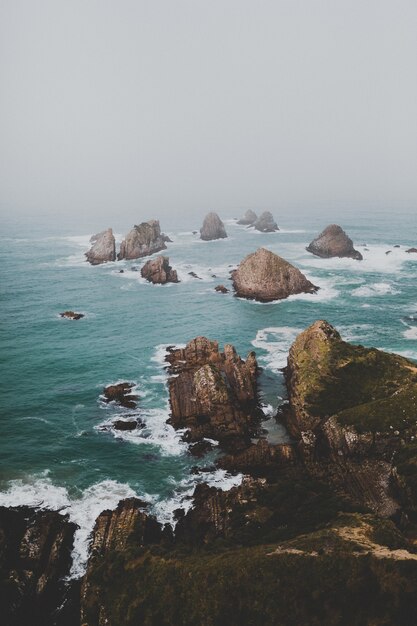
(412, 250)
(159, 271)
(213, 394)
(35, 556)
(248, 218)
(265, 276)
(266, 223)
(213, 228)
(142, 240)
(221, 289)
(121, 393)
(333, 242)
(261, 459)
(103, 248)
(72, 315)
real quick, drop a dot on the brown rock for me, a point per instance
(159, 271)
(265, 276)
(213, 228)
(411, 250)
(142, 240)
(333, 242)
(125, 425)
(120, 393)
(221, 289)
(103, 248)
(71, 315)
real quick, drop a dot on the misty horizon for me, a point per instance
(138, 110)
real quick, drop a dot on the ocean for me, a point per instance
(54, 449)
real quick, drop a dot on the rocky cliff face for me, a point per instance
(334, 242)
(265, 276)
(213, 228)
(265, 223)
(159, 271)
(35, 555)
(103, 248)
(213, 393)
(248, 218)
(142, 240)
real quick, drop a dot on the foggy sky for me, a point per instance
(151, 107)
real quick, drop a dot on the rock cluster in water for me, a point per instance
(159, 271)
(121, 393)
(334, 242)
(103, 248)
(265, 276)
(143, 240)
(213, 228)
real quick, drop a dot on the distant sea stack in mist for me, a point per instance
(248, 218)
(334, 242)
(103, 248)
(142, 240)
(265, 276)
(213, 228)
(265, 223)
(159, 271)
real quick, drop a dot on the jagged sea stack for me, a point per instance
(334, 242)
(213, 228)
(265, 276)
(266, 223)
(159, 271)
(103, 248)
(142, 240)
(248, 218)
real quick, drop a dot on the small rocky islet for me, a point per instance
(337, 505)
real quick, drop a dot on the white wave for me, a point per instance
(355, 332)
(374, 289)
(375, 260)
(276, 342)
(204, 273)
(411, 333)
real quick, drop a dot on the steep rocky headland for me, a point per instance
(159, 271)
(265, 276)
(212, 228)
(334, 242)
(103, 248)
(143, 240)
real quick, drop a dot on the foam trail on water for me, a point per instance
(275, 341)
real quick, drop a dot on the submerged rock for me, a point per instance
(214, 394)
(194, 275)
(159, 271)
(72, 315)
(266, 223)
(248, 218)
(103, 248)
(333, 242)
(125, 424)
(411, 250)
(221, 289)
(213, 228)
(265, 276)
(142, 240)
(121, 393)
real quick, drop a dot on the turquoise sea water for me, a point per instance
(52, 449)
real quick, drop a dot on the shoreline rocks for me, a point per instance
(248, 218)
(72, 315)
(143, 240)
(159, 271)
(121, 394)
(265, 276)
(213, 228)
(103, 249)
(265, 223)
(333, 242)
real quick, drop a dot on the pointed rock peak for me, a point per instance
(213, 228)
(334, 242)
(266, 223)
(248, 218)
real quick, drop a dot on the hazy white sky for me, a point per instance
(157, 106)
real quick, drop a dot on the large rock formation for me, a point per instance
(159, 271)
(103, 248)
(265, 276)
(142, 240)
(35, 556)
(248, 218)
(333, 242)
(213, 228)
(266, 223)
(214, 394)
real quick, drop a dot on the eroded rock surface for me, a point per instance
(159, 271)
(143, 240)
(122, 394)
(103, 248)
(213, 228)
(334, 242)
(265, 276)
